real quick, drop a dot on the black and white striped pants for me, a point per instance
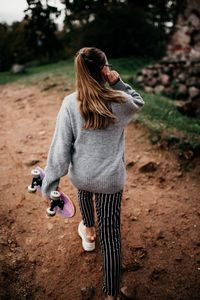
(108, 207)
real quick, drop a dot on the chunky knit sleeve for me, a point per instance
(133, 101)
(59, 155)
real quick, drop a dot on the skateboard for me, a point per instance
(59, 202)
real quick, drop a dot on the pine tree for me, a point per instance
(41, 28)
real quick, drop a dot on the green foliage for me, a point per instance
(13, 47)
(120, 28)
(5, 52)
(62, 69)
(160, 113)
(40, 28)
(125, 66)
(35, 37)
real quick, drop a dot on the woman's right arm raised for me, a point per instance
(133, 100)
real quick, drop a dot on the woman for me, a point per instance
(88, 145)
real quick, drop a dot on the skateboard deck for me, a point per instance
(59, 202)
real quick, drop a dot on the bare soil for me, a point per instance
(42, 258)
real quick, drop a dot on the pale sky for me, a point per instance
(12, 10)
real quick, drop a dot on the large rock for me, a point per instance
(195, 70)
(87, 293)
(193, 81)
(139, 79)
(31, 162)
(193, 92)
(149, 166)
(182, 91)
(17, 69)
(152, 81)
(189, 108)
(148, 89)
(146, 72)
(129, 292)
(165, 79)
(194, 21)
(181, 39)
(159, 89)
(182, 77)
(168, 91)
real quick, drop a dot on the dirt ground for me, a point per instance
(42, 258)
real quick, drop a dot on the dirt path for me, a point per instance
(42, 258)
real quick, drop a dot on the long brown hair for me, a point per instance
(94, 97)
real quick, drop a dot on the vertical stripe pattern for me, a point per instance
(86, 205)
(108, 207)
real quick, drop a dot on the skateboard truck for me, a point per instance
(36, 181)
(55, 202)
(55, 196)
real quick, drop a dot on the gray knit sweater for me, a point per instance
(92, 158)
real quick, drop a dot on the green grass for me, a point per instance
(128, 67)
(158, 114)
(65, 69)
(32, 75)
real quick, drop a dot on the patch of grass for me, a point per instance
(128, 67)
(159, 113)
(65, 69)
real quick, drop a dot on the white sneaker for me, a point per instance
(87, 245)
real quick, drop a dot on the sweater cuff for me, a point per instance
(118, 79)
(119, 85)
(47, 187)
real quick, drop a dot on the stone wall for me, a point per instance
(177, 75)
(185, 39)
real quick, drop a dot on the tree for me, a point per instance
(41, 29)
(13, 46)
(121, 27)
(4, 49)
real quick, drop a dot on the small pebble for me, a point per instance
(128, 292)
